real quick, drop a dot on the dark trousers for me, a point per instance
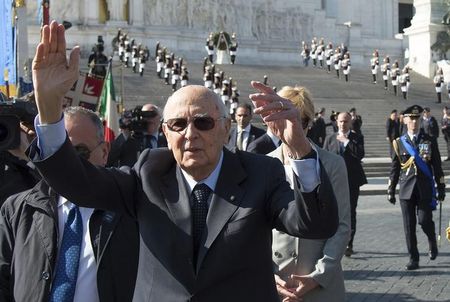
(411, 208)
(447, 140)
(354, 195)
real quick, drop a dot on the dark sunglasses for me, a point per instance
(84, 152)
(202, 123)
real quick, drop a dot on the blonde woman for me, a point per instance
(311, 269)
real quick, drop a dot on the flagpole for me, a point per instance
(45, 12)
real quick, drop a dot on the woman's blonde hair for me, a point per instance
(301, 98)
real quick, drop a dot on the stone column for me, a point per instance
(136, 12)
(89, 12)
(422, 33)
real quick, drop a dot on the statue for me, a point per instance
(442, 44)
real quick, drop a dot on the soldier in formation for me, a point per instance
(386, 70)
(439, 83)
(346, 66)
(233, 48)
(375, 64)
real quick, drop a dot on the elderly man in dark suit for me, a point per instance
(244, 133)
(205, 214)
(350, 145)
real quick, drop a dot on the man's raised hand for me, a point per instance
(53, 76)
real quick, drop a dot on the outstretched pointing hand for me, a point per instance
(52, 75)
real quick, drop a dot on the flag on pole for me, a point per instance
(108, 107)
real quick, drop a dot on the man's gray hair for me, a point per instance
(77, 110)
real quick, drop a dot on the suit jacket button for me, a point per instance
(278, 254)
(45, 275)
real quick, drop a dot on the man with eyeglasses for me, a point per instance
(205, 214)
(53, 250)
(244, 133)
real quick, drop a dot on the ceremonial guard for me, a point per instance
(160, 63)
(207, 77)
(305, 54)
(168, 64)
(320, 52)
(134, 57)
(404, 82)
(395, 73)
(210, 47)
(122, 48)
(314, 51)
(234, 101)
(233, 48)
(265, 79)
(157, 48)
(142, 59)
(438, 83)
(375, 64)
(386, 70)
(328, 56)
(225, 94)
(184, 75)
(217, 83)
(337, 60)
(346, 66)
(175, 74)
(417, 167)
(128, 49)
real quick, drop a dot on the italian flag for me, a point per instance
(108, 107)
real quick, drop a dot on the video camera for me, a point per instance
(12, 113)
(135, 120)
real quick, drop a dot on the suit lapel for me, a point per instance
(177, 199)
(225, 201)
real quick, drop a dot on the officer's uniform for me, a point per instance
(395, 73)
(416, 188)
(337, 60)
(386, 71)
(328, 56)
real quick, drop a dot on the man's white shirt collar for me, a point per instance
(210, 181)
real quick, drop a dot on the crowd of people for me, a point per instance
(205, 219)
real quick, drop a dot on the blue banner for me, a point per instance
(7, 44)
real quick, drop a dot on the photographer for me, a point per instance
(16, 132)
(140, 129)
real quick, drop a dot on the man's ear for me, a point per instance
(166, 134)
(227, 125)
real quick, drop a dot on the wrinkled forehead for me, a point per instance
(195, 100)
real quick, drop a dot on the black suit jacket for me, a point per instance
(263, 145)
(408, 178)
(392, 129)
(234, 260)
(353, 154)
(29, 231)
(430, 127)
(255, 132)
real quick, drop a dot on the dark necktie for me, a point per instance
(200, 196)
(64, 284)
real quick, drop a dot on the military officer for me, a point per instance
(375, 64)
(415, 162)
(386, 71)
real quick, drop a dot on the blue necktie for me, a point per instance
(199, 213)
(64, 284)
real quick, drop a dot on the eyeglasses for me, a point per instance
(202, 123)
(83, 151)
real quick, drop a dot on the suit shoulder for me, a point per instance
(258, 131)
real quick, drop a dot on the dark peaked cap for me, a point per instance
(414, 111)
